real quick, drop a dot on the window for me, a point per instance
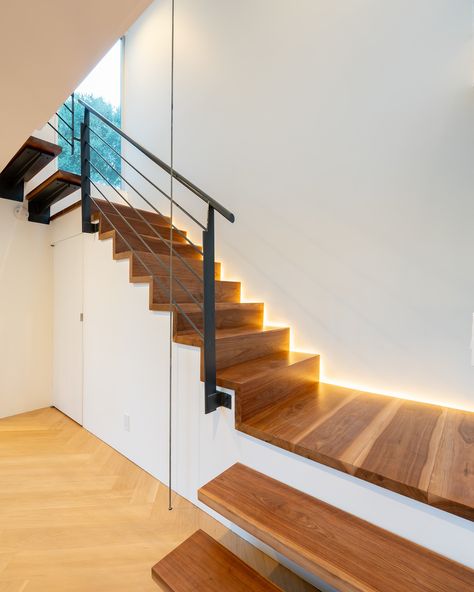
(102, 91)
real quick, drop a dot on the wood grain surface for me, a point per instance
(425, 452)
(77, 516)
(201, 564)
(345, 551)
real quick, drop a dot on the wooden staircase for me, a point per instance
(422, 451)
(425, 452)
(32, 157)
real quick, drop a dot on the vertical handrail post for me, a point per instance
(87, 225)
(213, 398)
(73, 131)
(210, 384)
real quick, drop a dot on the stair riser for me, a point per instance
(103, 206)
(238, 316)
(126, 242)
(225, 292)
(241, 348)
(281, 384)
(143, 227)
(146, 264)
(139, 226)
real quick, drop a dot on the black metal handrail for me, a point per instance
(177, 230)
(213, 397)
(199, 192)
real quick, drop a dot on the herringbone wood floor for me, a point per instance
(77, 516)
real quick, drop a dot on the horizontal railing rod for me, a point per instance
(130, 164)
(64, 121)
(183, 260)
(119, 213)
(201, 194)
(161, 286)
(195, 247)
(144, 198)
(136, 253)
(149, 249)
(59, 134)
(155, 231)
(149, 181)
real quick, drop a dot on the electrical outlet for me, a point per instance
(126, 422)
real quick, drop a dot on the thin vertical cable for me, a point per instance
(170, 427)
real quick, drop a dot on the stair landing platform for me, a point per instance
(418, 450)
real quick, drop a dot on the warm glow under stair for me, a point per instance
(422, 451)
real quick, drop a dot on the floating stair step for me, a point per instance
(103, 206)
(228, 316)
(389, 442)
(32, 157)
(265, 381)
(142, 227)
(226, 292)
(346, 552)
(56, 187)
(237, 345)
(201, 564)
(126, 242)
(146, 263)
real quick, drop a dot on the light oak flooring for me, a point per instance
(75, 515)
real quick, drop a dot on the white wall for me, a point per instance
(341, 136)
(25, 313)
(126, 360)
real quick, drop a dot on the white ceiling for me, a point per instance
(46, 48)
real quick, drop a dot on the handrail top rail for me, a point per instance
(201, 194)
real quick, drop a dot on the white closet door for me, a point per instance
(68, 302)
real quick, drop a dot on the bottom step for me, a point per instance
(350, 554)
(201, 564)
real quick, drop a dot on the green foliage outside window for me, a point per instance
(72, 162)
